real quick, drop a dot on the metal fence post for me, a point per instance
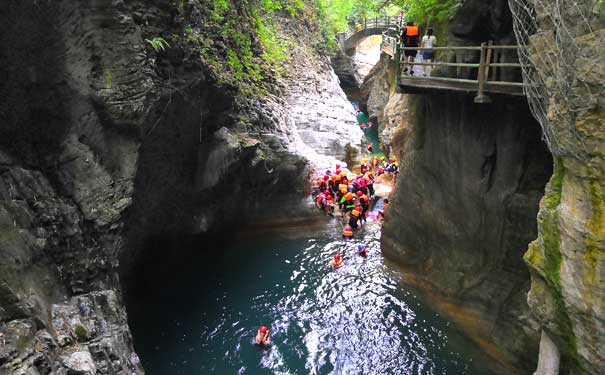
(398, 62)
(481, 97)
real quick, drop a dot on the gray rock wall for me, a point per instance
(105, 142)
(463, 212)
(466, 200)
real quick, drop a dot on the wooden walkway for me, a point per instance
(487, 68)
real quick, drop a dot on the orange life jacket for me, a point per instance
(335, 177)
(348, 232)
(411, 31)
(349, 196)
(355, 213)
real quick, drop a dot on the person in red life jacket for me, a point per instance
(344, 180)
(337, 261)
(363, 125)
(320, 201)
(329, 205)
(371, 147)
(362, 185)
(347, 232)
(362, 250)
(337, 171)
(380, 171)
(409, 37)
(381, 212)
(363, 167)
(354, 218)
(262, 336)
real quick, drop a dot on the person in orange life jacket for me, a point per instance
(348, 202)
(262, 336)
(322, 183)
(371, 147)
(375, 163)
(333, 183)
(337, 261)
(362, 250)
(362, 217)
(381, 212)
(347, 232)
(409, 38)
(354, 219)
(364, 202)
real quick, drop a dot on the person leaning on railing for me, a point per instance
(428, 41)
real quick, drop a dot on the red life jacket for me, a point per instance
(348, 232)
(320, 198)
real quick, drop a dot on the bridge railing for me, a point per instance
(381, 22)
(487, 69)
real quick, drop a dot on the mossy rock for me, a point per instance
(81, 333)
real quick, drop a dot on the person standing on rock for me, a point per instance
(409, 38)
(428, 41)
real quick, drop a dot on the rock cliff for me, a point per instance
(106, 140)
(466, 200)
(567, 261)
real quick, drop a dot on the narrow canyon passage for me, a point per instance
(198, 314)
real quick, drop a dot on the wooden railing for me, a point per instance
(482, 85)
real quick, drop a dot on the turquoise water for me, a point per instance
(199, 315)
(370, 133)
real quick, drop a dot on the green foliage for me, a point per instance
(429, 12)
(158, 43)
(81, 333)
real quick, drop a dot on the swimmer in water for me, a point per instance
(362, 250)
(262, 336)
(337, 261)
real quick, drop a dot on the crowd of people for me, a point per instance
(347, 195)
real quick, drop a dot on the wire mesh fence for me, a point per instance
(548, 33)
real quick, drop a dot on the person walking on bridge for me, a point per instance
(409, 38)
(428, 41)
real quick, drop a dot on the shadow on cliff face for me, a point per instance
(33, 117)
(464, 212)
